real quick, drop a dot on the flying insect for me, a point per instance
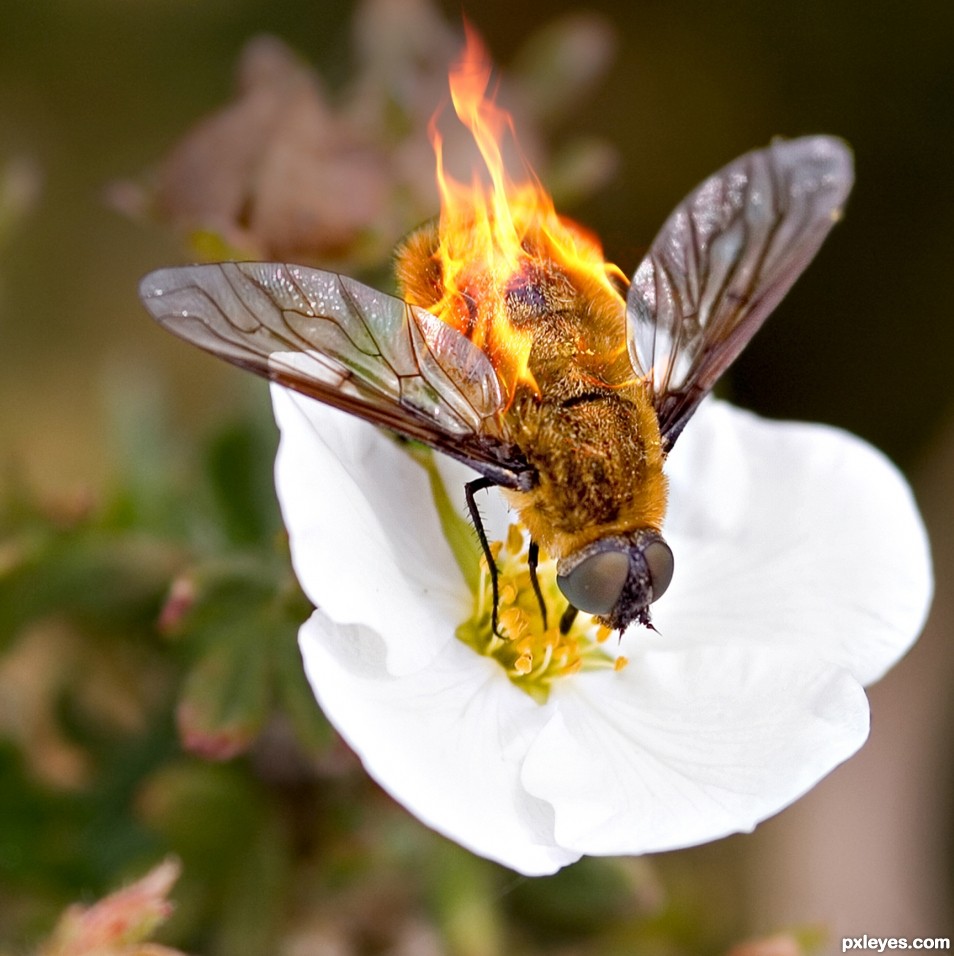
(607, 378)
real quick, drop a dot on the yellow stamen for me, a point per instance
(514, 622)
(514, 539)
(532, 656)
(523, 664)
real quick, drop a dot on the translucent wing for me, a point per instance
(343, 343)
(723, 260)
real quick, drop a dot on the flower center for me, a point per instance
(533, 655)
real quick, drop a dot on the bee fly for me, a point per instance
(577, 439)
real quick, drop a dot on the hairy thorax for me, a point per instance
(574, 408)
(598, 464)
(589, 431)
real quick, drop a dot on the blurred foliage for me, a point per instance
(120, 924)
(152, 699)
(154, 703)
(290, 170)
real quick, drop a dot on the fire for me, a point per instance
(496, 233)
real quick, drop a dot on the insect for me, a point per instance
(578, 445)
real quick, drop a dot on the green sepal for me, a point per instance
(458, 531)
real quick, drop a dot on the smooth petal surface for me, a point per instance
(794, 535)
(366, 541)
(447, 741)
(688, 745)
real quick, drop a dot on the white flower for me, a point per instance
(802, 573)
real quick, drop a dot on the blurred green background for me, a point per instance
(94, 91)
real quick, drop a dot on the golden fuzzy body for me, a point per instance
(598, 464)
(581, 419)
(522, 359)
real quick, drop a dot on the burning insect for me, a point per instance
(513, 349)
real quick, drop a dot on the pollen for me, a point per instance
(514, 621)
(532, 653)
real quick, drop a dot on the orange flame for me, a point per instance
(491, 234)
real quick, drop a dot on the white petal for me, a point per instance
(683, 747)
(793, 534)
(446, 741)
(366, 540)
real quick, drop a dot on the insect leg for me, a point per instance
(480, 484)
(533, 556)
(567, 619)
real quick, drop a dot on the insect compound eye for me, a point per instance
(618, 577)
(596, 583)
(660, 564)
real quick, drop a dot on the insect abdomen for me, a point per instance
(598, 460)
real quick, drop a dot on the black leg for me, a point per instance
(479, 484)
(569, 616)
(533, 556)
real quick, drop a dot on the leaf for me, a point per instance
(104, 580)
(239, 462)
(225, 700)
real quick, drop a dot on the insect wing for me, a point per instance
(724, 260)
(345, 344)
